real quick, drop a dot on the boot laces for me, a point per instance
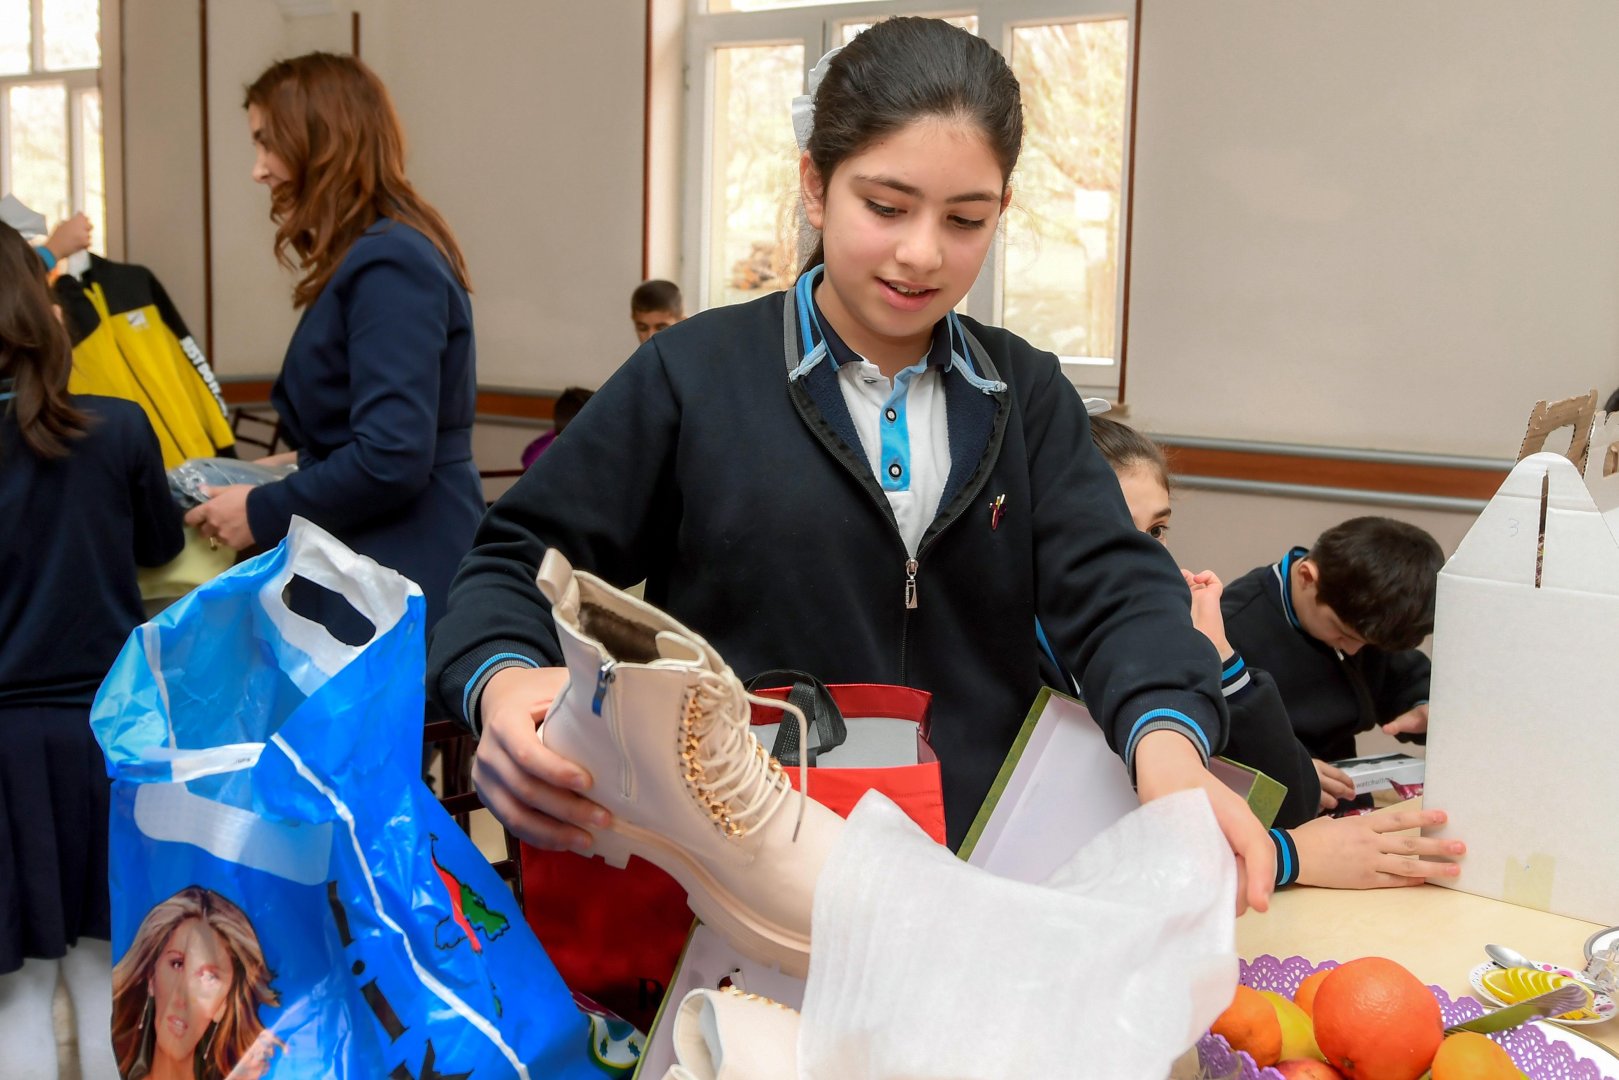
(741, 785)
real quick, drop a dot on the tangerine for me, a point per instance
(1304, 996)
(1467, 1055)
(1307, 1069)
(1249, 1024)
(1374, 1020)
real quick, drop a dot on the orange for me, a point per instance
(1304, 996)
(1375, 1021)
(1467, 1055)
(1249, 1023)
(1307, 1069)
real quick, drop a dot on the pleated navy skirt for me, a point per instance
(53, 833)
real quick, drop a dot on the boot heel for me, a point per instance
(610, 848)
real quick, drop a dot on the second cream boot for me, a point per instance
(729, 1035)
(662, 725)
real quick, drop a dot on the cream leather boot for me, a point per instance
(661, 723)
(729, 1035)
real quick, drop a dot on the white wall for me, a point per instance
(253, 314)
(525, 127)
(1380, 224)
(163, 148)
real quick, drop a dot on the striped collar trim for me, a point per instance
(1283, 572)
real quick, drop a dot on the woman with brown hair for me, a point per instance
(378, 387)
(186, 994)
(83, 502)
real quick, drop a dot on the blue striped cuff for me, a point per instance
(1235, 676)
(481, 677)
(1287, 857)
(1161, 720)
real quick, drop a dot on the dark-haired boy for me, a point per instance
(1336, 626)
(655, 305)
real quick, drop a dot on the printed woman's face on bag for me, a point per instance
(189, 987)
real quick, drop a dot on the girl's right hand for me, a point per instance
(533, 791)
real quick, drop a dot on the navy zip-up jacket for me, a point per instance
(720, 464)
(1329, 698)
(377, 393)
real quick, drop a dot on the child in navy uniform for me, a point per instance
(1337, 627)
(84, 502)
(856, 481)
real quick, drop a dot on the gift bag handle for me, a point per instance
(811, 696)
(380, 595)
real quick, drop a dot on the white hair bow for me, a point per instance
(804, 104)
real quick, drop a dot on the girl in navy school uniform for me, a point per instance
(378, 387)
(849, 478)
(84, 501)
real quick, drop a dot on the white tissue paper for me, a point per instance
(925, 968)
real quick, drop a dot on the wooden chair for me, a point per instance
(497, 474)
(457, 795)
(264, 427)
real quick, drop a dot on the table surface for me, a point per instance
(1438, 933)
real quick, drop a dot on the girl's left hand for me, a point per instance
(224, 516)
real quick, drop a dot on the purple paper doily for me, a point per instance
(1529, 1047)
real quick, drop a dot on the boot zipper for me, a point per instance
(604, 680)
(910, 584)
(604, 677)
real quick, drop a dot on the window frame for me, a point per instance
(107, 81)
(816, 27)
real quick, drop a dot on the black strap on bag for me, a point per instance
(821, 711)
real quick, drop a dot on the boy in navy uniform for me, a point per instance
(1337, 627)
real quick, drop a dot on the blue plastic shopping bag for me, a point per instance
(288, 898)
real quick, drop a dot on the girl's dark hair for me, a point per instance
(35, 354)
(1124, 447)
(901, 70)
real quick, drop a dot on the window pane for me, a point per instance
(13, 37)
(39, 175)
(753, 200)
(769, 5)
(95, 186)
(72, 34)
(1061, 279)
(968, 23)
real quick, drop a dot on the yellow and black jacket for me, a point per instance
(130, 342)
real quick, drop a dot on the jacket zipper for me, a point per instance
(913, 564)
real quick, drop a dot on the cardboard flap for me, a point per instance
(1545, 499)
(1549, 416)
(1602, 467)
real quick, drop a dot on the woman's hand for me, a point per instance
(1167, 762)
(533, 791)
(271, 461)
(1366, 852)
(224, 516)
(1335, 784)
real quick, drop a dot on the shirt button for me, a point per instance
(892, 415)
(895, 471)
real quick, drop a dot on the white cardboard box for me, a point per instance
(1524, 714)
